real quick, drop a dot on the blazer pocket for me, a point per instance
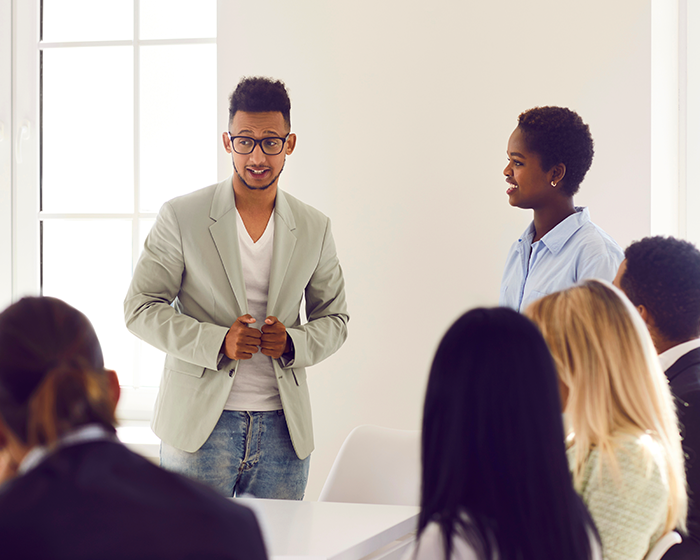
(299, 376)
(181, 366)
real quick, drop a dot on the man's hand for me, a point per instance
(274, 341)
(241, 341)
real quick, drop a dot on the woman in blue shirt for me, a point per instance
(549, 154)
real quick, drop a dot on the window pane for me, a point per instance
(179, 138)
(87, 263)
(87, 20)
(181, 19)
(87, 130)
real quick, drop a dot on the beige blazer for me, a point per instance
(188, 289)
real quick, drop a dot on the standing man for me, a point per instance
(219, 287)
(661, 276)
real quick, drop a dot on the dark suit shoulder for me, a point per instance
(684, 374)
(684, 378)
(73, 503)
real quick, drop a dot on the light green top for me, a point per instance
(628, 507)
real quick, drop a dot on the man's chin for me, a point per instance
(253, 188)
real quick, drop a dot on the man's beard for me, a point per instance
(258, 188)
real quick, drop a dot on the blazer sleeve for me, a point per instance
(155, 285)
(326, 311)
(689, 417)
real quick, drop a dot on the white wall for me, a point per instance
(403, 110)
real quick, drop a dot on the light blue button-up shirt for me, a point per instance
(576, 249)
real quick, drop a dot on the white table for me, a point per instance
(333, 531)
(141, 440)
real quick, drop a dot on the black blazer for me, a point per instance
(99, 501)
(684, 377)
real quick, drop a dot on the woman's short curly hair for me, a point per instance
(558, 135)
(258, 94)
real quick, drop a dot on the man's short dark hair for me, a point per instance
(260, 95)
(558, 135)
(663, 275)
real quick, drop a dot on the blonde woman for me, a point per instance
(624, 445)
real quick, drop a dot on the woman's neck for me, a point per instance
(548, 217)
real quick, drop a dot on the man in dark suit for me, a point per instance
(661, 276)
(68, 488)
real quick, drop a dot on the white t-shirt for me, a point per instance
(254, 385)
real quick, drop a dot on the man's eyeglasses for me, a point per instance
(272, 145)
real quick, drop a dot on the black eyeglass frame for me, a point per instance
(260, 142)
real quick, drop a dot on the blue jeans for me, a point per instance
(247, 453)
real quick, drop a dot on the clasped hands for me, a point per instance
(242, 341)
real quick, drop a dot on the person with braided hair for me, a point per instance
(68, 488)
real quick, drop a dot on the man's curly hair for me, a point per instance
(258, 94)
(663, 275)
(558, 135)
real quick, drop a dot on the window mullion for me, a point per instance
(136, 222)
(6, 130)
(25, 160)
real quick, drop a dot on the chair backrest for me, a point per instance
(662, 546)
(376, 465)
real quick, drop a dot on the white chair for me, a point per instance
(376, 466)
(662, 546)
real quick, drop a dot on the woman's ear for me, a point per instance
(557, 173)
(12, 451)
(113, 387)
(3, 436)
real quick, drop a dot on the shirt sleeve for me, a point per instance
(599, 262)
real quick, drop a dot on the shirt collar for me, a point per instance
(555, 239)
(672, 355)
(91, 432)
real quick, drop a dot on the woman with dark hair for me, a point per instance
(549, 154)
(496, 483)
(69, 489)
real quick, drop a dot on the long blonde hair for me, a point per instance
(607, 363)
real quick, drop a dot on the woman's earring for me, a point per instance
(553, 184)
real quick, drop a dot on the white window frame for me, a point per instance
(20, 215)
(690, 118)
(675, 76)
(6, 137)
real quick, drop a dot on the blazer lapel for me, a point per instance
(224, 232)
(283, 247)
(686, 360)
